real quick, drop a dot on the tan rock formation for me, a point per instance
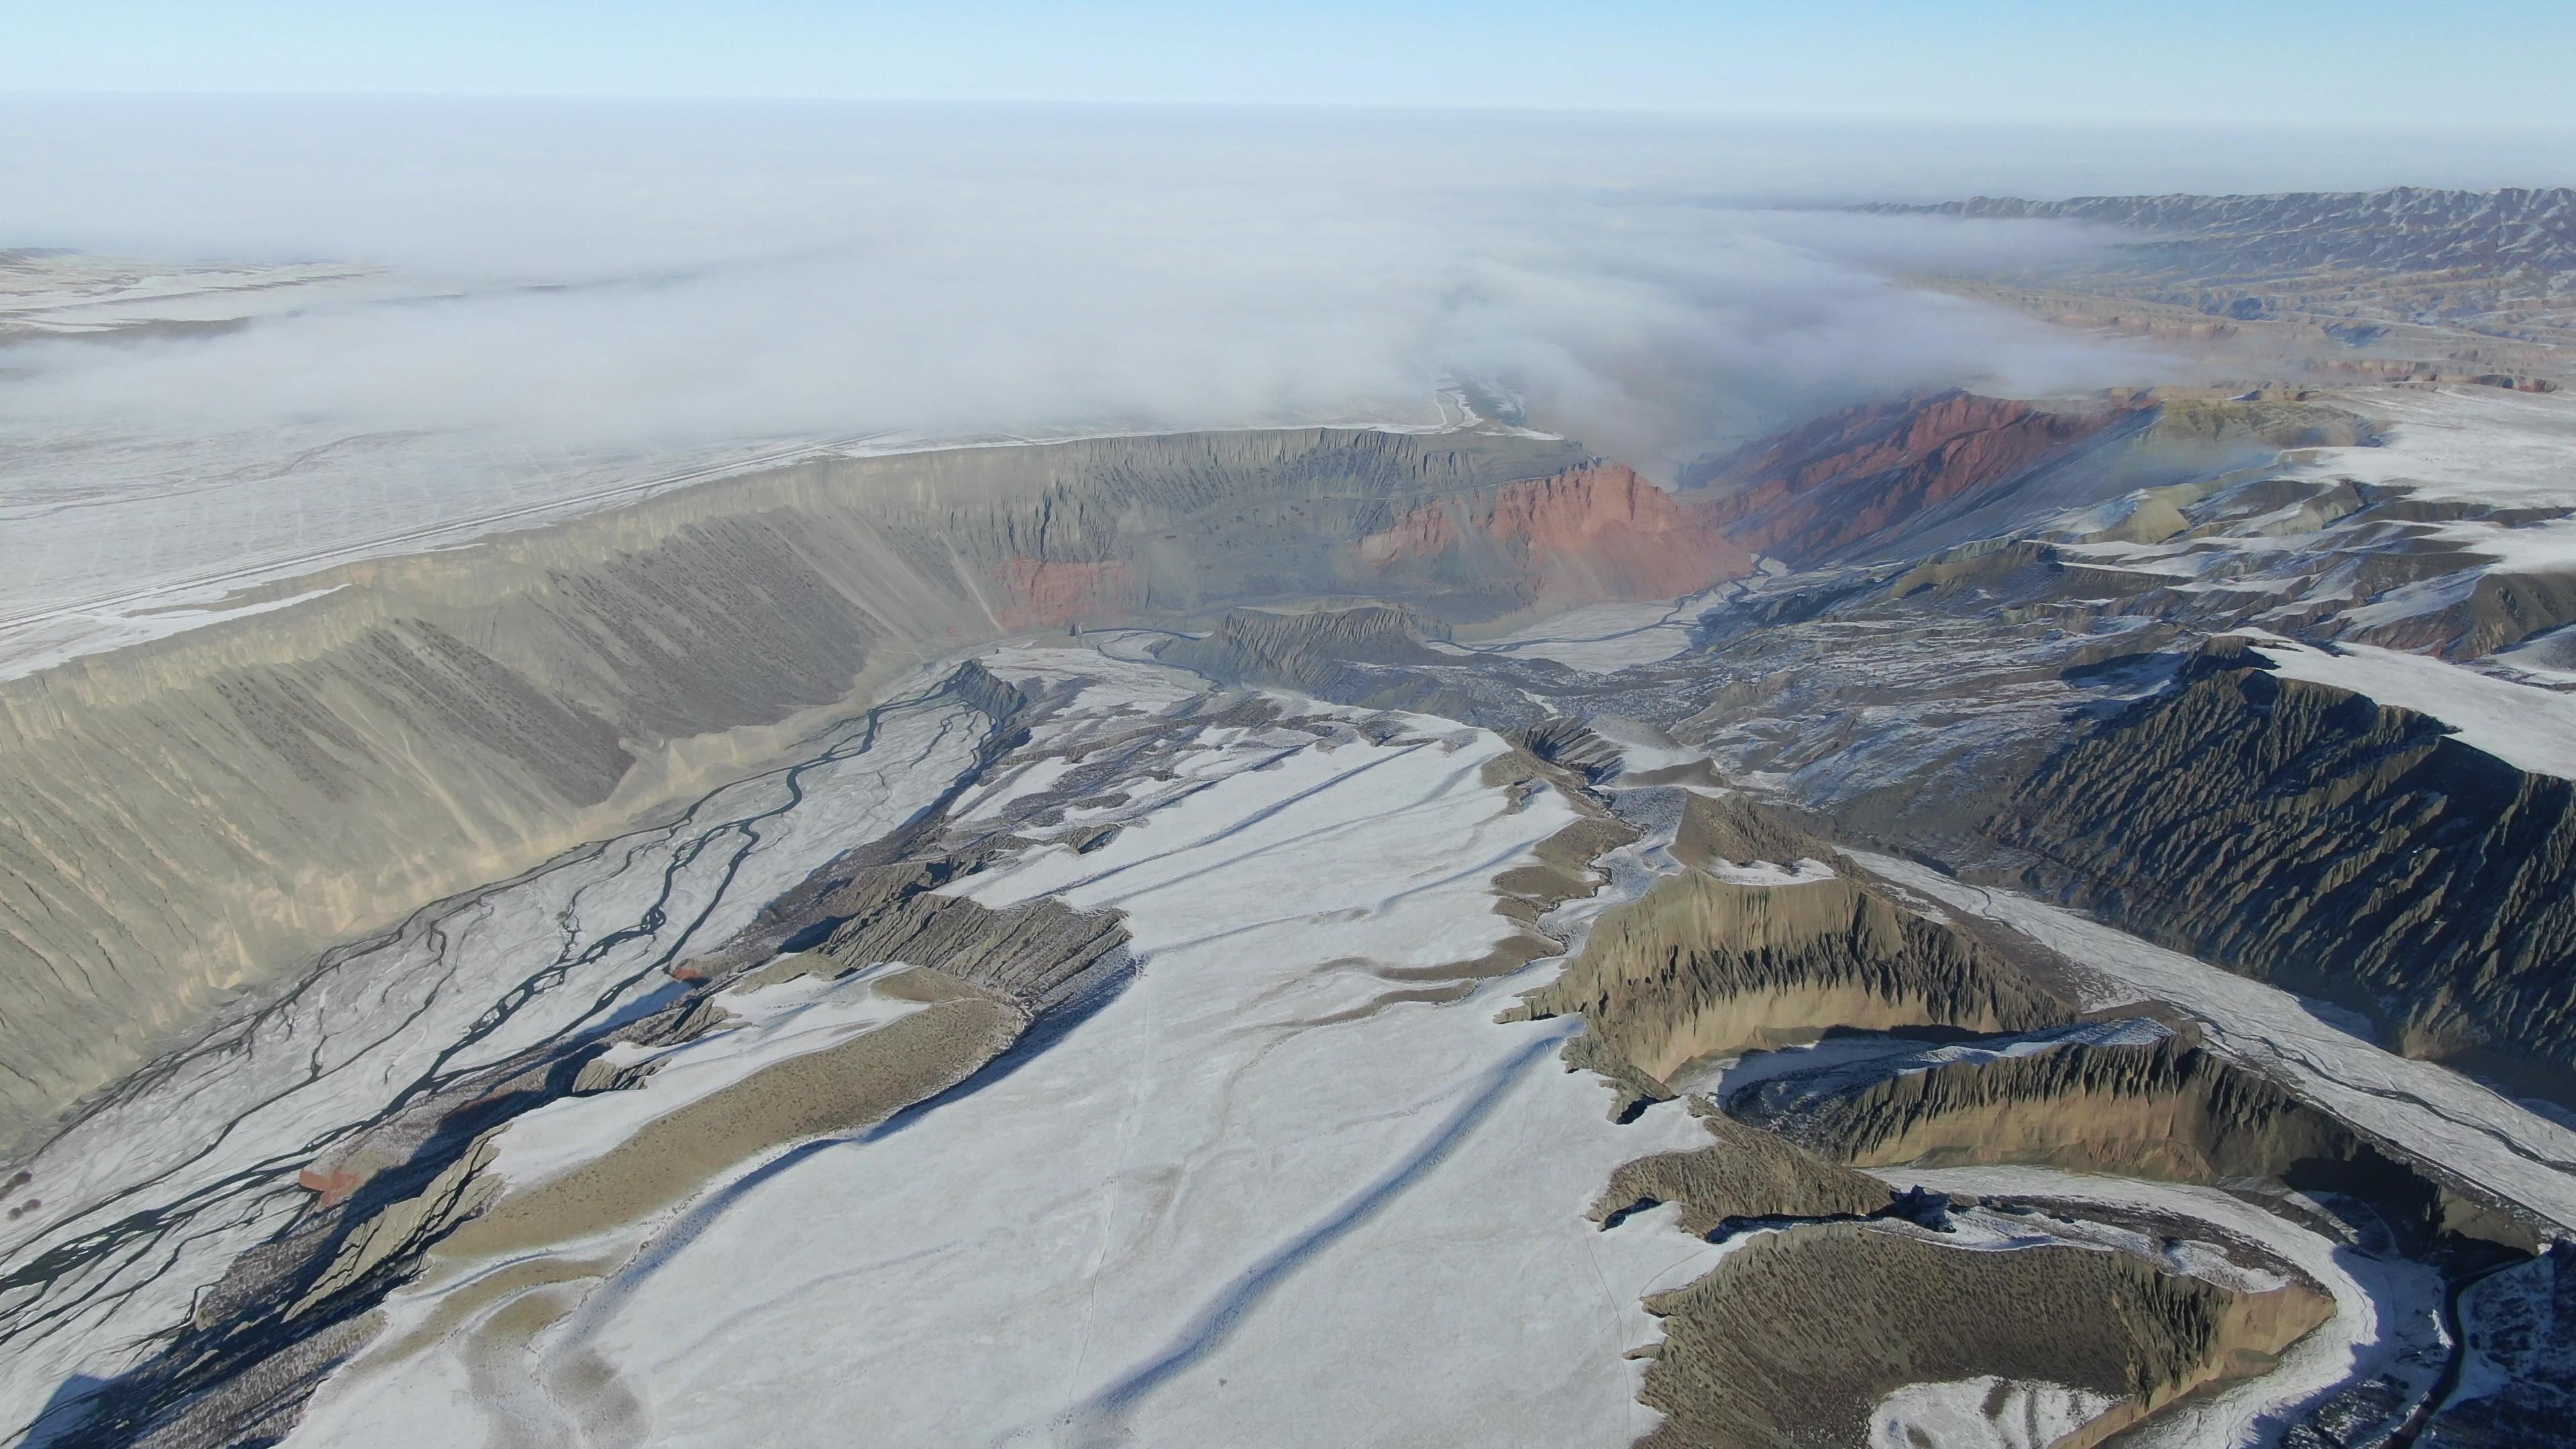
(1744, 1173)
(1796, 1335)
(1702, 967)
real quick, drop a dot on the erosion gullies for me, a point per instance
(1195, 1001)
(183, 819)
(1590, 534)
(1845, 1311)
(2168, 1109)
(1734, 827)
(1833, 485)
(1893, 480)
(1777, 1345)
(2340, 847)
(2023, 704)
(1310, 1014)
(761, 1050)
(1325, 653)
(2495, 612)
(290, 1312)
(1745, 1174)
(1797, 1336)
(1703, 967)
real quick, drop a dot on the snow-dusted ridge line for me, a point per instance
(42, 626)
(2426, 1109)
(2524, 725)
(2381, 1311)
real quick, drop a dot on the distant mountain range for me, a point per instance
(2402, 229)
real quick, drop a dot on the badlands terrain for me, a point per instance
(1971, 921)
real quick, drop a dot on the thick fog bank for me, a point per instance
(604, 274)
(437, 316)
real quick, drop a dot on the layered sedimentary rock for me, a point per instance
(2169, 1110)
(1743, 1174)
(1703, 967)
(1823, 488)
(2338, 846)
(1600, 532)
(187, 817)
(1797, 1335)
(1890, 480)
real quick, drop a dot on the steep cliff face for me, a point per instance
(1045, 594)
(1597, 532)
(1898, 479)
(1707, 967)
(1820, 490)
(1327, 654)
(191, 816)
(2345, 849)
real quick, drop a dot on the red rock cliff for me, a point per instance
(1049, 595)
(1593, 533)
(1832, 483)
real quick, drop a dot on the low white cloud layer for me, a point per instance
(571, 276)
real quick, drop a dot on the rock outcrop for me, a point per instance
(1796, 1336)
(186, 818)
(2169, 1110)
(1367, 655)
(2343, 848)
(1702, 967)
(1598, 532)
(1829, 487)
(1745, 1174)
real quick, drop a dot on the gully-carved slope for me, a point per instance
(190, 816)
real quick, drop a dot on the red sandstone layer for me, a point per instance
(1594, 533)
(1044, 594)
(1834, 482)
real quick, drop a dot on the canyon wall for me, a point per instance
(2340, 847)
(186, 818)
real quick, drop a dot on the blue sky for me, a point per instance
(2379, 64)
